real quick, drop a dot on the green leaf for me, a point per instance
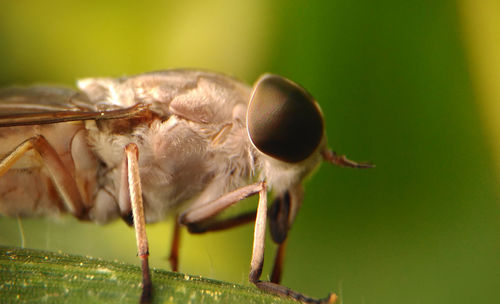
(34, 276)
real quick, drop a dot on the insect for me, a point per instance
(186, 142)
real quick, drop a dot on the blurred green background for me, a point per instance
(401, 83)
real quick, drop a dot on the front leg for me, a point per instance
(211, 209)
(259, 238)
(194, 216)
(173, 258)
(131, 186)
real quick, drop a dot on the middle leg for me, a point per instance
(173, 258)
(132, 190)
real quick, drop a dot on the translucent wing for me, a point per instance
(45, 105)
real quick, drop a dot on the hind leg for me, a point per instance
(62, 179)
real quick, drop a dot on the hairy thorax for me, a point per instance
(181, 162)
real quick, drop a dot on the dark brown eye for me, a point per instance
(283, 120)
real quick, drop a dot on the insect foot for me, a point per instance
(287, 292)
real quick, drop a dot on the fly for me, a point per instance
(183, 142)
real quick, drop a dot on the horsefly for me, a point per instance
(183, 142)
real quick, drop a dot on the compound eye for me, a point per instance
(283, 120)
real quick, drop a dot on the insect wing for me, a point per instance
(45, 105)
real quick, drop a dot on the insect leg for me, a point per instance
(259, 238)
(194, 216)
(278, 263)
(224, 224)
(240, 219)
(124, 193)
(279, 224)
(258, 260)
(281, 217)
(63, 180)
(210, 209)
(173, 258)
(135, 197)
